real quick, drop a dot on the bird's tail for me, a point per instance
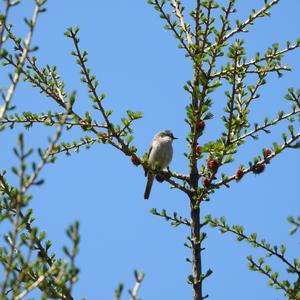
(149, 185)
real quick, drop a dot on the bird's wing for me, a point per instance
(149, 152)
(148, 158)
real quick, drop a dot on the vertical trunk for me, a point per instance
(196, 252)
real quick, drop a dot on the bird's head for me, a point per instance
(166, 135)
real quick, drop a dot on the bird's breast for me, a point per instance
(161, 154)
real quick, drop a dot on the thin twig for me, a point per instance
(182, 22)
(197, 23)
(255, 243)
(266, 57)
(176, 220)
(46, 119)
(5, 17)
(287, 144)
(45, 156)
(206, 31)
(137, 286)
(232, 101)
(291, 295)
(37, 282)
(263, 127)
(85, 142)
(249, 21)
(257, 71)
(21, 62)
(173, 28)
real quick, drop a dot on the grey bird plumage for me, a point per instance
(159, 156)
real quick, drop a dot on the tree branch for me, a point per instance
(139, 277)
(183, 25)
(286, 145)
(22, 59)
(265, 126)
(37, 282)
(249, 21)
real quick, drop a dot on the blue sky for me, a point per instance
(140, 68)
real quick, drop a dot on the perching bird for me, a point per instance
(159, 156)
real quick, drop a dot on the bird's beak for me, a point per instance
(175, 138)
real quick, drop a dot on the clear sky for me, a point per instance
(140, 68)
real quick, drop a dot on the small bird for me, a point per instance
(159, 156)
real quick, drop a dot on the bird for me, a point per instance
(159, 156)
